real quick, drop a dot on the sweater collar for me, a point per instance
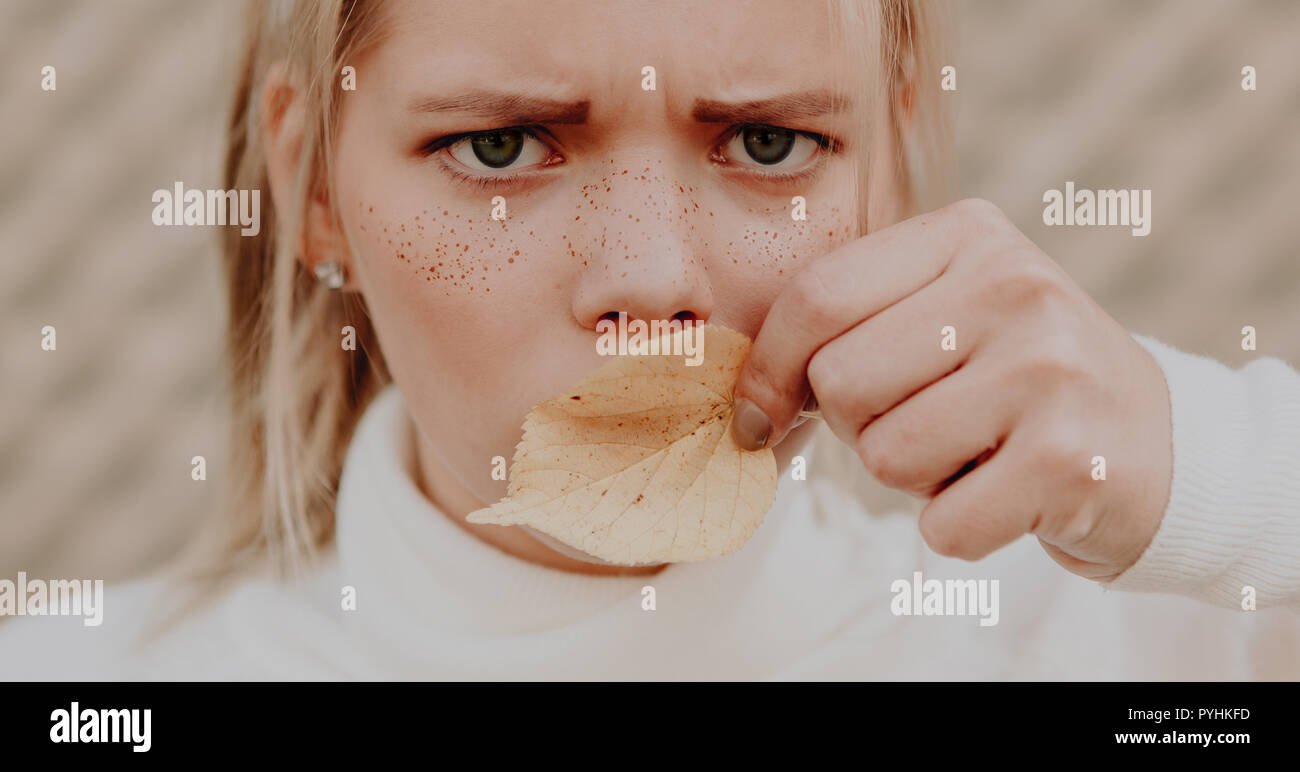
(389, 530)
(438, 601)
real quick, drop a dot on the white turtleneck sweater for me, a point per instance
(810, 596)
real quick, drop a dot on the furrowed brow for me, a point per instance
(506, 107)
(785, 108)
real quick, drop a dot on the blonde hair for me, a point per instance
(296, 395)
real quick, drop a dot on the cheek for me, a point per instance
(454, 288)
(761, 249)
(451, 292)
(454, 253)
(775, 244)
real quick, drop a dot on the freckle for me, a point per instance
(510, 260)
(372, 209)
(516, 251)
(444, 212)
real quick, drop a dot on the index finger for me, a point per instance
(837, 291)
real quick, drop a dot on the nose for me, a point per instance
(644, 257)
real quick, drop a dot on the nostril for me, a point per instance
(681, 316)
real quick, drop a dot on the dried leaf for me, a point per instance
(635, 464)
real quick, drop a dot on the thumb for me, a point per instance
(766, 413)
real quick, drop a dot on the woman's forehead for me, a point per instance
(599, 51)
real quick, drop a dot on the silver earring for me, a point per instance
(330, 274)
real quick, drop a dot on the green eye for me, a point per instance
(498, 149)
(768, 144)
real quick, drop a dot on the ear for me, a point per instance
(905, 90)
(319, 238)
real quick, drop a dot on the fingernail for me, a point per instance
(750, 427)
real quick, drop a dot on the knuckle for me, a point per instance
(1021, 284)
(980, 214)
(878, 458)
(1054, 359)
(1079, 528)
(1055, 364)
(825, 377)
(813, 298)
(882, 445)
(1064, 451)
(940, 534)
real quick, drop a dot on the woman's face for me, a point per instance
(664, 202)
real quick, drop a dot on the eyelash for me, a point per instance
(480, 181)
(492, 181)
(824, 142)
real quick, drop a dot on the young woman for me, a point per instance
(647, 158)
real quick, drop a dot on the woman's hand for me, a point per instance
(1041, 383)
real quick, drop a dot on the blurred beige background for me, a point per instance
(96, 438)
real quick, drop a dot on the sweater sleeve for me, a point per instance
(1233, 518)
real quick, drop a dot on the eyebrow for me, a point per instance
(513, 108)
(788, 107)
(506, 107)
